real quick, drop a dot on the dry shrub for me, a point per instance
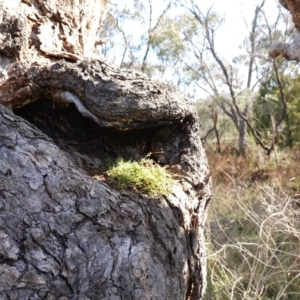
(257, 256)
(253, 227)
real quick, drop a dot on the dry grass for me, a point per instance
(253, 227)
(229, 170)
(234, 177)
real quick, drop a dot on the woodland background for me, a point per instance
(249, 113)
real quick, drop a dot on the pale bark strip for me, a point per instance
(110, 96)
(290, 51)
(67, 234)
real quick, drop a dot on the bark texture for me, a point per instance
(290, 51)
(64, 232)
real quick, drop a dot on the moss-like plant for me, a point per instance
(145, 176)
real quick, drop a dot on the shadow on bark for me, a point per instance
(65, 234)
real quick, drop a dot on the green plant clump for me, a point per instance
(144, 176)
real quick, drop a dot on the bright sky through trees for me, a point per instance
(130, 45)
(236, 13)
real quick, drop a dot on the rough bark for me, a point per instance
(290, 51)
(64, 232)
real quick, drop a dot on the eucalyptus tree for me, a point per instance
(268, 108)
(178, 43)
(129, 29)
(225, 81)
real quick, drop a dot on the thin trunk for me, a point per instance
(243, 138)
(290, 140)
(219, 150)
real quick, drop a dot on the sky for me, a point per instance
(235, 12)
(229, 36)
(234, 31)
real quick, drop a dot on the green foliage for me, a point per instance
(169, 40)
(268, 105)
(294, 184)
(144, 176)
(293, 120)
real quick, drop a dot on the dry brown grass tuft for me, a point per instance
(229, 170)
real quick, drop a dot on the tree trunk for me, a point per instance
(65, 231)
(242, 138)
(240, 125)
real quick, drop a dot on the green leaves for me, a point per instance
(267, 104)
(169, 40)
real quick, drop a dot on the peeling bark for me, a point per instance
(65, 234)
(290, 51)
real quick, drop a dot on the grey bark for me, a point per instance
(64, 232)
(243, 139)
(239, 123)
